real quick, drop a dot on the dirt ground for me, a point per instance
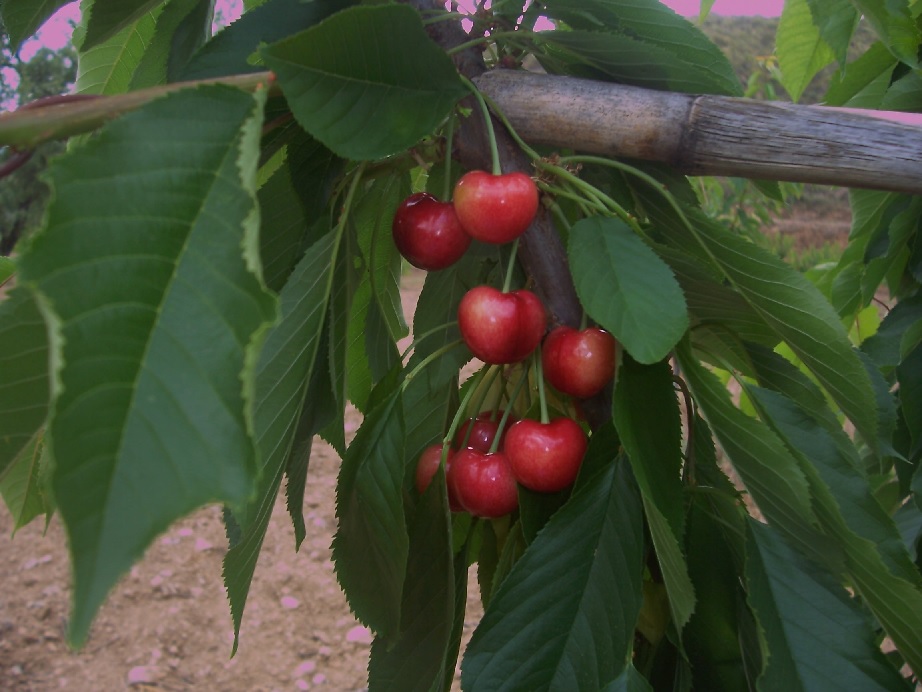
(167, 625)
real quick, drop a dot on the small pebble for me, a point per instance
(305, 668)
(359, 635)
(140, 674)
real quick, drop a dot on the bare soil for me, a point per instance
(167, 625)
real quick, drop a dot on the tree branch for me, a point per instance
(714, 135)
(60, 117)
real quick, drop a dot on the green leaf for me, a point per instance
(7, 269)
(22, 18)
(894, 23)
(629, 681)
(373, 217)
(627, 288)
(836, 21)
(814, 635)
(646, 415)
(415, 659)
(377, 56)
(771, 475)
(229, 52)
(864, 81)
(25, 382)
(876, 561)
(715, 561)
(909, 376)
(108, 67)
(617, 37)
(182, 27)
(371, 545)
(106, 19)
(801, 50)
(712, 304)
(158, 342)
(799, 314)
(24, 484)
(557, 622)
(282, 228)
(283, 398)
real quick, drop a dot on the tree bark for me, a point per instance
(714, 135)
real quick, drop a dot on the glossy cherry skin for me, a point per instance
(495, 208)
(579, 363)
(426, 468)
(427, 232)
(483, 431)
(483, 483)
(545, 457)
(501, 327)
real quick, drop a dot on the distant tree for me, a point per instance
(23, 194)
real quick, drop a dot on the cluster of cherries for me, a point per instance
(502, 328)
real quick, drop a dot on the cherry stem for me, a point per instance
(462, 407)
(510, 267)
(449, 139)
(491, 133)
(531, 153)
(592, 193)
(484, 387)
(502, 421)
(418, 340)
(542, 396)
(438, 353)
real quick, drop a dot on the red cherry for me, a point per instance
(426, 468)
(545, 457)
(483, 431)
(483, 483)
(501, 327)
(579, 363)
(495, 208)
(427, 232)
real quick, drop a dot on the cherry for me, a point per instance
(501, 327)
(426, 468)
(483, 483)
(495, 208)
(483, 431)
(545, 457)
(427, 232)
(578, 363)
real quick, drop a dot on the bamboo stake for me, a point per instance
(714, 135)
